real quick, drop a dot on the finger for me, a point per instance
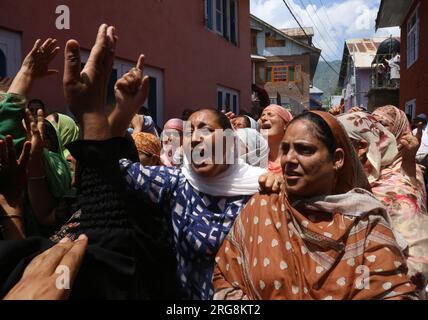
(275, 187)
(27, 120)
(262, 182)
(270, 182)
(419, 131)
(99, 48)
(25, 155)
(54, 255)
(74, 257)
(124, 86)
(46, 44)
(72, 64)
(36, 46)
(10, 152)
(141, 62)
(143, 91)
(50, 46)
(41, 123)
(111, 46)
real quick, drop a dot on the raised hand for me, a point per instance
(409, 146)
(137, 123)
(131, 92)
(86, 90)
(13, 173)
(410, 143)
(40, 280)
(35, 66)
(270, 183)
(36, 132)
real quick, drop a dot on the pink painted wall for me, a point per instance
(171, 33)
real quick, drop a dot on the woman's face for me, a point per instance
(383, 121)
(240, 123)
(273, 123)
(309, 169)
(202, 142)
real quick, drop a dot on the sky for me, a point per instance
(333, 20)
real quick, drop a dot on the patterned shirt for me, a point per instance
(200, 221)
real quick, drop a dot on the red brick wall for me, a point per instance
(172, 34)
(414, 81)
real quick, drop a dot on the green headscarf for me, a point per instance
(11, 114)
(58, 171)
(68, 132)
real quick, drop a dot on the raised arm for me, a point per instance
(13, 176)
(35, 66)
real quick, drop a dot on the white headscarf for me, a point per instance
(239, 179)
(253, 123)
(254, 147)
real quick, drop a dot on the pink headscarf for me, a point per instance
(176, 124)
(280, 111)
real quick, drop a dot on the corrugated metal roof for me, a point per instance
(364, 50)
(297, 32)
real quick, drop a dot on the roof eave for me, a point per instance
(392, 13)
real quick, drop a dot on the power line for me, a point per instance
(325, 28)
(316, 27)
(294, 17)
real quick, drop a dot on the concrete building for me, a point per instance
(197, 52)
(412, 17)
(356, 71)
(282, 64)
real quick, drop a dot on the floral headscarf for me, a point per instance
(395, 119)
(147, 143)
(382, 149)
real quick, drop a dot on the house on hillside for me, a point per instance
(356, 73)
(197, 52)
(412, 17)
(282, 64)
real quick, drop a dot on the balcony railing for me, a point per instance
(385, 72)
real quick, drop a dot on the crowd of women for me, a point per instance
(312, 206)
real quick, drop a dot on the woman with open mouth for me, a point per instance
(273, 123)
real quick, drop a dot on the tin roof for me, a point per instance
(363, 50)
(298, 32)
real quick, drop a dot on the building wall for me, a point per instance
(291, 48)
(194, 61)
(414, 80)
(298, 92)
(363, 87)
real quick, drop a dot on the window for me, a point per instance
(209, 13)
(411, 108)
(281, 72)
(413, 38)
(10, 53)
(228, 99)
(221, 16)
(272, 41)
